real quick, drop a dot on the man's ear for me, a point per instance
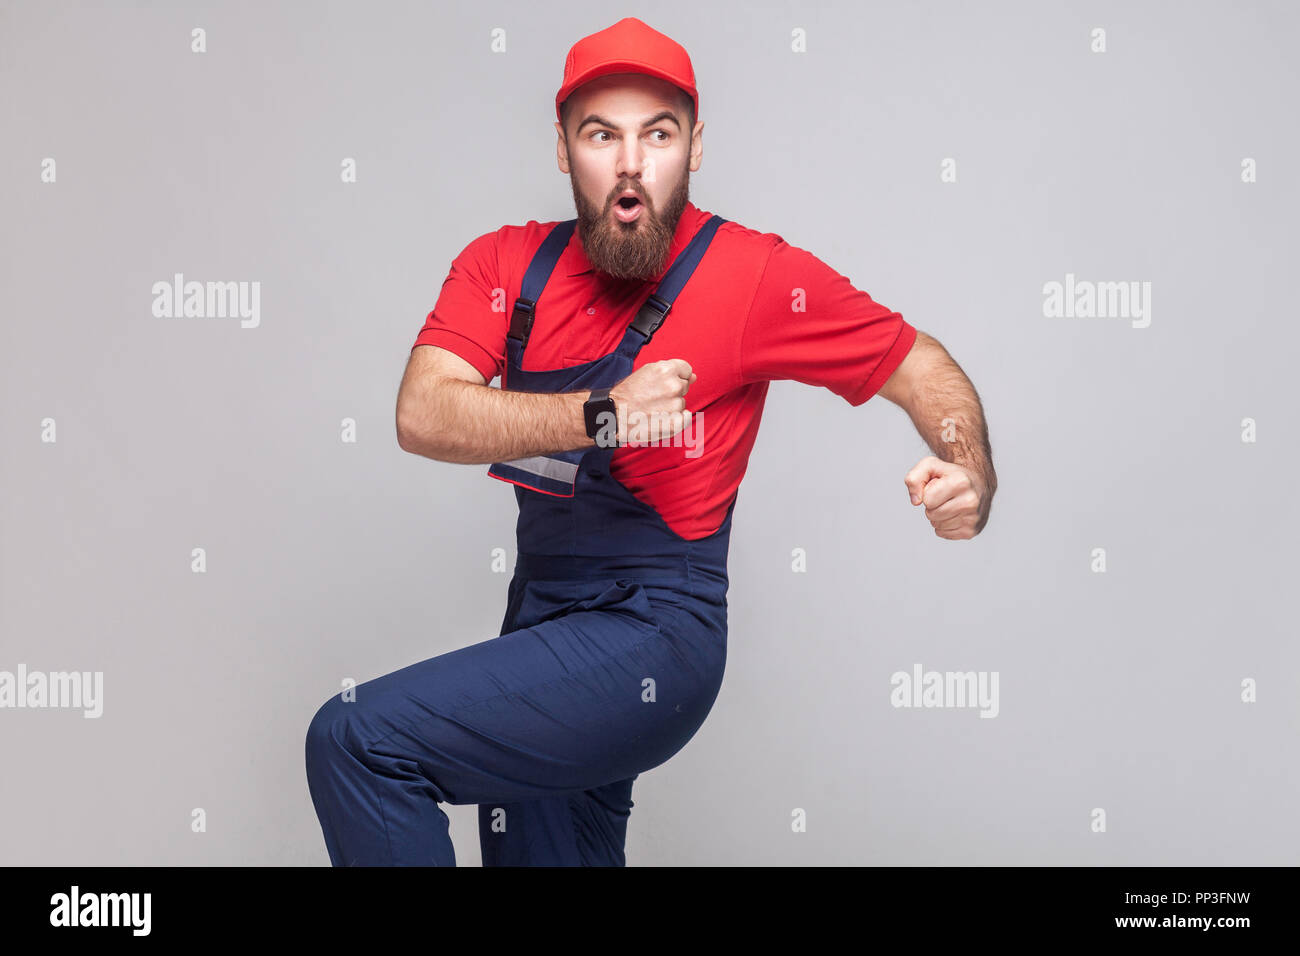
(697, 146)
(561, 149)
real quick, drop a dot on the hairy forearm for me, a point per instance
(453, 420)
(946, 411)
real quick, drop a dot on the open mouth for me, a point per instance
(627, 208)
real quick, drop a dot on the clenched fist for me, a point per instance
(956, 499)
(651, 402)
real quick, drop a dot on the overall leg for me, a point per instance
(589, 827)
(582, 828)
(539, 712)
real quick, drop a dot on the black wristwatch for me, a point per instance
(592, 408)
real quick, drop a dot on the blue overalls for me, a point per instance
(610, 656)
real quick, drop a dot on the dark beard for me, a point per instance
(636, 250)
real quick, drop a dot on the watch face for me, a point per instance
(601, 417)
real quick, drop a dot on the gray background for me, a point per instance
(329, 560)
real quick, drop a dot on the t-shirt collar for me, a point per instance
(688, 223)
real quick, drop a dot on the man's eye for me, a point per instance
(663, 132)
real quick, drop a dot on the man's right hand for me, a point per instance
(651, 402)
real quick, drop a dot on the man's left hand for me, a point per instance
(956, 498)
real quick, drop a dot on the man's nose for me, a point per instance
(631, 161)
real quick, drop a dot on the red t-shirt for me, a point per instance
(755, 310)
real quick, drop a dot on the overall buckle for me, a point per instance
(650, 316)
(521, 320)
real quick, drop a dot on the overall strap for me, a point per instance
(654, 310)
(535, 278)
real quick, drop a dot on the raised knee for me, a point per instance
(328, 733)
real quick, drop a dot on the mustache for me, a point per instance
(618, 193)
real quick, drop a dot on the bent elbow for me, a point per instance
(411, 437)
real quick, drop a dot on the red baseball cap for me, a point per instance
(629, 46)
